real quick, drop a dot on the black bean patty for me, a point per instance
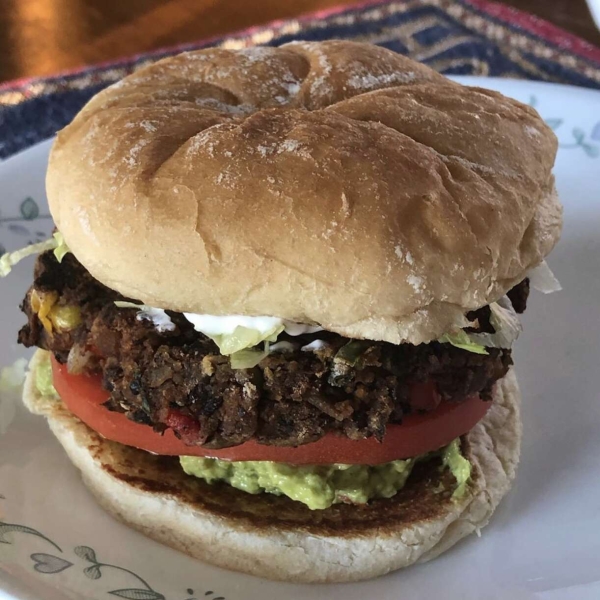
(178, 379)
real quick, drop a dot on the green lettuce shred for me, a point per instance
(462, 340)
(61, 246)
(503, 319)
(124, 304)
(248, 358)
(244, 338)
(57, 243)
(506, 324)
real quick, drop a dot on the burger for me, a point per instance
(276, 316)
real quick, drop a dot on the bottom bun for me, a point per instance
(275, 537)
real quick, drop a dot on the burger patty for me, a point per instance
(177, 379)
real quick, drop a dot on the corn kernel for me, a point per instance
(42, 304)
(65, 318)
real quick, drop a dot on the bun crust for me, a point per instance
(334, 183)
(277, 538)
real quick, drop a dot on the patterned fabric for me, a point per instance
(472, 37)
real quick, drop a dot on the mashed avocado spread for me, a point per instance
(320, 486)
(317, 486)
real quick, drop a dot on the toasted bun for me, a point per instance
(278, 538)
(333, 183)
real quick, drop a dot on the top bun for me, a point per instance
(334, 183)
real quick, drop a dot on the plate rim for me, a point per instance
(462, 79)
(18, 591)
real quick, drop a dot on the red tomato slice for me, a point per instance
(419, 433)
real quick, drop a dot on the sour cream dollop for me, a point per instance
(159, 318)
(212, 325)
(314, 346)
(224, 325)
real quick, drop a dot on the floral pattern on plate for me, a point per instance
(52, 564)
(29, 223)
(580, 139)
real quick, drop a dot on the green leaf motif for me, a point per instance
(137, 594)
(49, 564)
(29, 209)
(86, 553)
(578, 134)
(6, 528)
(18, 229)
(591, 151)
(92, 572)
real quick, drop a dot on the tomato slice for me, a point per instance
(419, 433)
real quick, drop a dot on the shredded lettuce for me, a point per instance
(61, 246)
(123, 304)
(244, 338)
(506, 324)
(10, 259)
(461, 339)
(503, 319)
(543, 279)
(248, 358)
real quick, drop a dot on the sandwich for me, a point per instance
(274, 323)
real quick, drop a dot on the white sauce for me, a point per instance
(158, 316)
(212, 325)
(283, 347)
(314, 346)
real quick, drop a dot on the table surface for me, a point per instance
(41, 37)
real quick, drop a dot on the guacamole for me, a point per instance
(459, 466)
(43, 377)
(320, 486)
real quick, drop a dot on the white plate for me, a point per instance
(594, 6)
(544, 541)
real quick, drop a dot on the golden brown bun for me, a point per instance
(336, 183)
(278, 538)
